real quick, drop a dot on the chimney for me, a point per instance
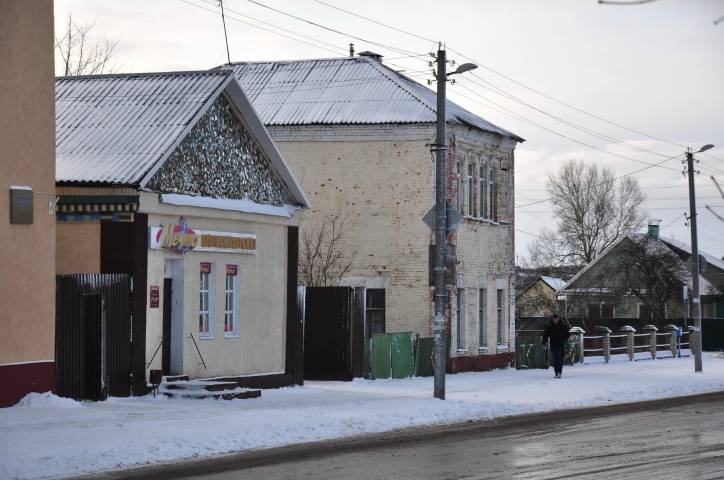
(351, 49)
(372, 55)
(654, 228)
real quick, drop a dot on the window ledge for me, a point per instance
(232, 335)
(483, 349)
(504, 222)
(205, 337)
(461, 351)
(502, 348)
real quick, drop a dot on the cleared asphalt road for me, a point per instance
(673, 439)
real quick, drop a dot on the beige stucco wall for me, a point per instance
(382, 179)
(260, 345)
(27, 157)
(78, 247)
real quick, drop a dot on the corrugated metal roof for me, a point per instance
(113, 128)
(344, 91)
(553, 282)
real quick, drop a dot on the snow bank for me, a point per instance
(46, 442)
(47, 399)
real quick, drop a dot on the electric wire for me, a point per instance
(554, 132)
(580, 110)
(318, 25)
(259, 27)
(376, 22)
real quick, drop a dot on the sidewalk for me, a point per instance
(54, 437)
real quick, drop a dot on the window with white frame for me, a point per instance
(205, 297)
(461, 320)
(483, 191)
(493, 194)
(231, 299)
(483, 324)
(461, 192)
(472, 207)
(500, 299)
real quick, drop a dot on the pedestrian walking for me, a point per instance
(557, 331)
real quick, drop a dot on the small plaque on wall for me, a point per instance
(21, 205)
(153, 296)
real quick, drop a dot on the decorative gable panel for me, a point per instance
(218, 158)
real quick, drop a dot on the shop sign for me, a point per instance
(154, 296)
(181, 239)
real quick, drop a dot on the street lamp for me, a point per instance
(440, 149)
(695, 300)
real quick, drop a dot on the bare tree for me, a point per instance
(592, 208)
(79, 54)
(322, 261)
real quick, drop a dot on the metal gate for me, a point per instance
(93, 336)
(333, 333)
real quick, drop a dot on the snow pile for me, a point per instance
(47, 399)
(127, 432)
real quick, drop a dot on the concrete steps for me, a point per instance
(179, 386)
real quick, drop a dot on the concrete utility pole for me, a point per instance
(695, 299)
(440, 148)
(443, 225)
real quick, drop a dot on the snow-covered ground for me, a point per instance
(47, 436)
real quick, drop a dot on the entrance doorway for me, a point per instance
(173, 302)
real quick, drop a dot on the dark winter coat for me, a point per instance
(557, 333)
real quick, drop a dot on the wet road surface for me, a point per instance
(676, 439)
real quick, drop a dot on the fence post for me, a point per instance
(672, 329)
(651, 329)
(630, 341)
(606, 333)
(579, 332)
(693, 339)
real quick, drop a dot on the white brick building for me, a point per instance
(356, 134)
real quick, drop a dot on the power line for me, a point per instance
(377, 22)
(592, 115)
(236, 12)
(318, 25)
(259, 27)
(604, 183)
(531, 122)
(497, 90)
(412, 34)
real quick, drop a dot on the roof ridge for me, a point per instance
(146, 74)
(384, 70)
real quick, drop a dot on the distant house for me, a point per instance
(643, 276)
(172, 178)
(539, 299)
(357, 134)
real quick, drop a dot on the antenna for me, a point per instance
(223, 20)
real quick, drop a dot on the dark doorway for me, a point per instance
(166, 348)
(333, 333)
(93, 336)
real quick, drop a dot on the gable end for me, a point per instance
(220, 159)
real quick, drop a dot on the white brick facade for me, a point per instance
(382, 179)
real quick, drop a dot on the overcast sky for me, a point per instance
(656, 68)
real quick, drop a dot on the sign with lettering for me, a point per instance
(181, 239)
(154, 296)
